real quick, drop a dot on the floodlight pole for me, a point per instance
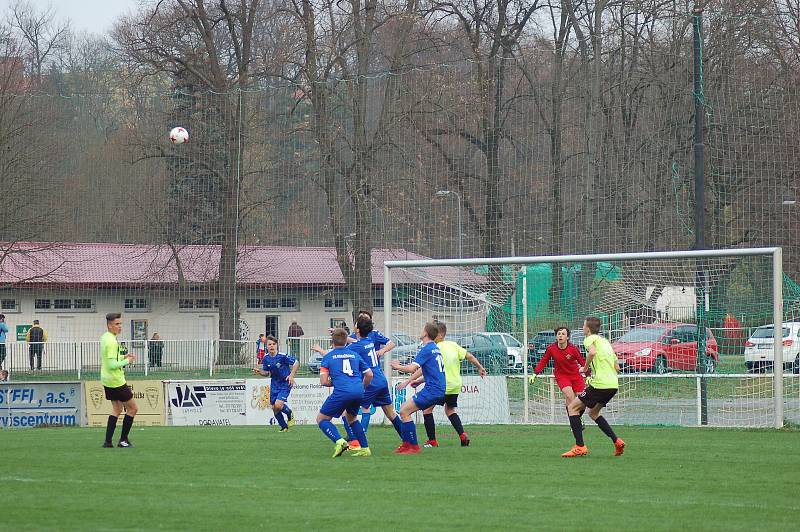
(701, 290)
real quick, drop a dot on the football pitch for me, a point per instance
(511, 478)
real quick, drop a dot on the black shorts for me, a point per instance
(2, 351)
(122, 393)
(451, 400)
(592, 396)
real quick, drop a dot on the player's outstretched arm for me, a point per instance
(407, 368)
(414, 380)
(385, 349)
(319, 349)
(259, 371)
(474, 361)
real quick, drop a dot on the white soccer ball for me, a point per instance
(178, 135)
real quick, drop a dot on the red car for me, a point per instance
(660, 347)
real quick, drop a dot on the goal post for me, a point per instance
(513, 299)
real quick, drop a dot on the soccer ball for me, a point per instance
(178, 135)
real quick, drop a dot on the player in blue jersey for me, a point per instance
(282, 368)
(349, 375)
(428, 364)
(377, 394)
(382, 345)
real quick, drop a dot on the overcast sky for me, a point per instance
(95, 16)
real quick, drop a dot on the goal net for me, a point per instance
(693, 332)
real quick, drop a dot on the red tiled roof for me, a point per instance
(103, 264)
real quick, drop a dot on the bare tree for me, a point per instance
(212, 45)
(44, 38)
(338, 54)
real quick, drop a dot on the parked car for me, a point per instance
(758, 349)
(512, 346)
(314, 360)
(406, 349)
(660, 347)
(491, 353)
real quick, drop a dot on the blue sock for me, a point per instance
(411, 432)
(330, 430)
(398, 426)
(348, 430)
(365, 420)
(358, 430)
(286, 410)
(281, 420)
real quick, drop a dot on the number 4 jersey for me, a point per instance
(345, 369)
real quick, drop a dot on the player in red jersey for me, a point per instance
(567, 363)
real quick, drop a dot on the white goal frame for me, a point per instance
(775, 253)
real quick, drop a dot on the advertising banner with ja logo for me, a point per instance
(149, 396)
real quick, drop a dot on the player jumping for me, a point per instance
(601, 369)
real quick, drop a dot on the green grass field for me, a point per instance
(512, 478)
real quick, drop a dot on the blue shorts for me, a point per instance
(377, 397)
(279, 393)
(424, 400)
(336, 403)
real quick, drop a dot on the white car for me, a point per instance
(758, 349)
(516, 356)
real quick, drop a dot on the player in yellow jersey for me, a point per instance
(601, 371)
(114, 357)
(452, 356)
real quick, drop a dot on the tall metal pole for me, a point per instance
(701, 291)
(460, 233)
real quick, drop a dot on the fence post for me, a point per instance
(699, 392)
(210, 354)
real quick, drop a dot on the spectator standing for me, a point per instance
(294, 334)
(155, 350)
(36, 337)
(3, 333)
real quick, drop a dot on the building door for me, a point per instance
(271, 326)
(64, 328)
(205, 328)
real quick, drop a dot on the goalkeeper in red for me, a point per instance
(567, 363)
(601, 371)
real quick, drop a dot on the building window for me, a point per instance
(271, 303)
(82, 304)
(254, 303)
(135, 303)
(289, 302)
(61, 303)
(334, 303)
(8, 305)
(200, 303)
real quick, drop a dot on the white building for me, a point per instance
(69, 288)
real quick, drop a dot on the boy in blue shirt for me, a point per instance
(3, 332)
(347, 373)
(377, 394)
(282, 368)
(428, 364)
